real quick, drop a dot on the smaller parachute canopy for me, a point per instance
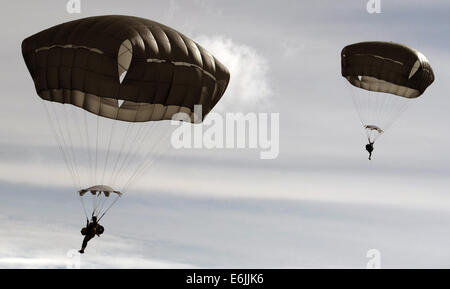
(374, 128)
(386, 67)
(97, 190)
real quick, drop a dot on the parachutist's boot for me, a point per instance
(81, 251)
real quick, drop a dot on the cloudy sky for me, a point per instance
(321, 203)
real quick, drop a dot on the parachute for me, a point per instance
(109, 84)
(102, 199)
(386, 78)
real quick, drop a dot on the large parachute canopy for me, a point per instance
(108, 82)
(81, 62)
(387, 76)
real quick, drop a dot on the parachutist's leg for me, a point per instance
(85, 242)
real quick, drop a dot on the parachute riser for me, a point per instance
(102, 198)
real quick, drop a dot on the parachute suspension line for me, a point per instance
(362, 100)
(120, 151)
(134, 144)
(383, 110)
(134, 154)
(144, 167)
(77, 123)
(109, 147)
(149, 131)
(109, 207)
(368, 111)
(380, 103)
(96, 150)
(60, 136)
(373, 104)
(370, 106)
(387, 104)
(376, 110)
(88, 146)
(66, 147)
(82, 205)
(144, 159)
(99, 208)
(382, 99)
(137, 128)
(147, 161)
(390, 107)
(403, 106)
(99, 202)
(379, 109)
(94, 204)
(357, 100)
(399, 110)
(131, 131)
(83, 144)
(58, 141)
(357, 104)
(71, 147)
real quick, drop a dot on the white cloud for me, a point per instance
(234, 180)
(61, 261)
(32, 245)
(249, 88)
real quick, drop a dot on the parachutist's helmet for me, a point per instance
(94, 219)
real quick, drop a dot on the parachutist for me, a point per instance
(92, 228)
(95, 90)
(376, 70)
(369, 148)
